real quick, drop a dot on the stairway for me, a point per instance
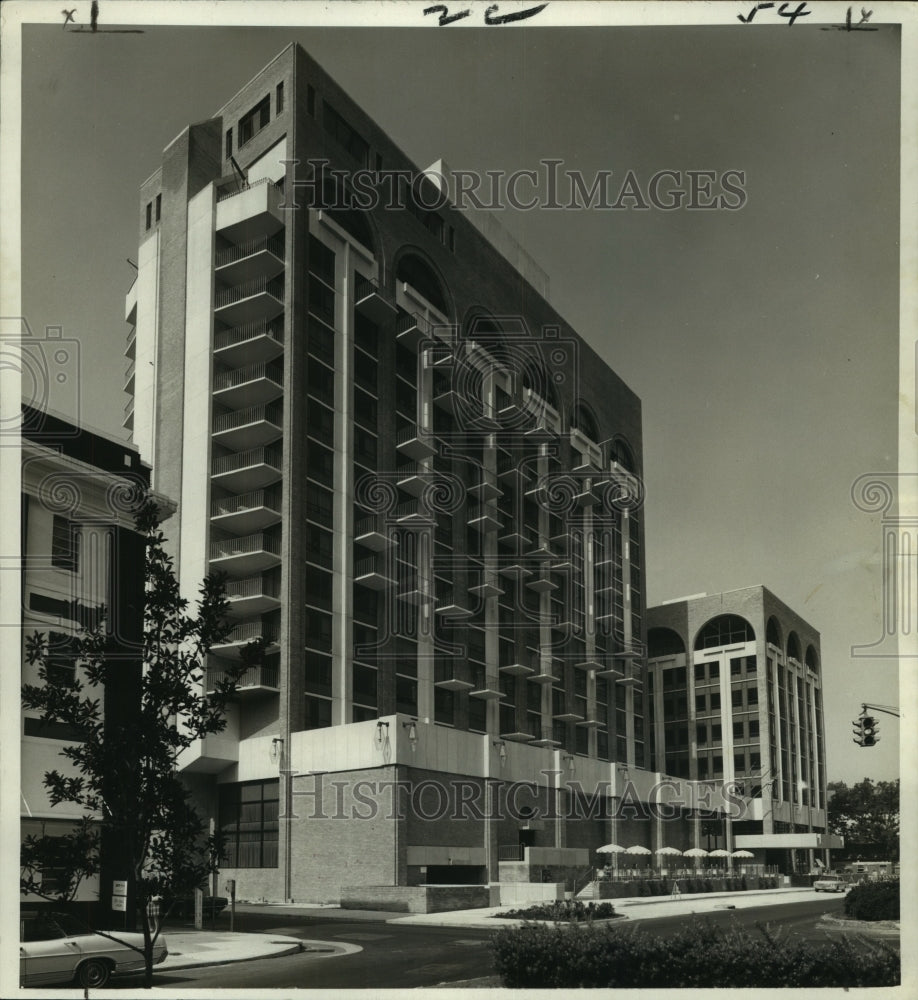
(589, 891)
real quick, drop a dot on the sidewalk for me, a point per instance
(191, 948)
(633, 908)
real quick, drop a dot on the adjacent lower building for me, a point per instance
(735, 696)
(80, 555)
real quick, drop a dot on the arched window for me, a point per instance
(415, 272)
(584, 421)
(724, 630)
(664, 642)
(793, 647)
(812, 660)
(773, 632)
(620, 452)
(537, 380)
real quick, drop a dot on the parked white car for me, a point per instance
(58, 948)
(830, 883)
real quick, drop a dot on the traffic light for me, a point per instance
(858, 731)
(865, 731)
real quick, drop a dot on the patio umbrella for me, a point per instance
(742, 854)
(669, 850)
(610, 849)
(695, 852)
(719, 853)
(638, 849)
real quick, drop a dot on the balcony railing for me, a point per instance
(270, 456)
(247, 632)
(265, 677)
(232, 192)
(268, 244)
(246, 332)
(273, 287)
(247, 544)
(511, 852)
(240, 376)
(253, 586)
(243, 503)
(272, 413)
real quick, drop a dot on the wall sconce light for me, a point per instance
(412, 728)
(379, 738)
(277, 748)
(501, 751)
(571, 762)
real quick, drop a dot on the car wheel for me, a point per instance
(94, 974)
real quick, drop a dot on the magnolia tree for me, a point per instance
(123, 774)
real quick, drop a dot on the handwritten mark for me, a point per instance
(491, 16)
(850, 26)
(782, 12)
(445, 16)
(68, 17)
(519, 15)
(752, 13)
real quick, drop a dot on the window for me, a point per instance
(752, 696)
(699, 671)
(699, 702)
(364, 684)
(365, 447)
(736, 698)
(149, 214)
(279, 98)
(701, 734)
(318, 545)
(320, 422)
(310, 100)
(318, 673)
(320, 381)
(318, 713)
(321, 464)
(319, 504)
(229, 143)
(318, 630)
(65, 544)
(342, 133)
(52, 730)
(248, 814)
(715, 701)
(254, 121)
(444, 706)
(361, 714)
(159, 207)
(738, 730)
(318, 587)
(736, 667)
(753, 729)
(739, 763)
(406, 695)
(716, 732)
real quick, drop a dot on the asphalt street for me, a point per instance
(406, 956)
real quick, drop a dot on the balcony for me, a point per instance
(542, 584)
(610, 671)
(517, 669)
(589, 665)
(373, 301)
(246, 555)
(486, 488)
(485, 590)
(587, 497)
(243, 429)
(415, 595)
(374, 533)
(368, 574)
(626, 681)
(251, 596)
(129, 379)
(249, 343)
(411, 329)
(247, 470)
(517, 736)
(482, 518)
(130, 350)
(250, 213)
(415, 444)
(515, 540)
(249, 386)
(486, 686)
(514, 571)
(255, 680)
(413, 479)
(242, 634)
(446, 676)
(261, 299)
(567, 716)
(449, 401)
(539, 551)
(128, 422)
(448, 609)
(546, 739)
(413, 514)
(589, 452)
(590, 723)
(130, 304)
(245, 514)
(547, 674)
(259, 258)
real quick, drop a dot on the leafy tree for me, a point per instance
(124, 773)
(866, 815)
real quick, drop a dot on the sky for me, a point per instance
(763, 342)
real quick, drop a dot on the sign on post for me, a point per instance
(119, 888)
(199, 909)
(119, 903)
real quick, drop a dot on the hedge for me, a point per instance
(703, 955)
(874, 901)
(565, 910)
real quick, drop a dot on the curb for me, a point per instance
(686, 896)
(291, 950)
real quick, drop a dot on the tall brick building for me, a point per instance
(424, 489)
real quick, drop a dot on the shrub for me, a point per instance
(702, 955)
(565, 910)
(874, 901)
